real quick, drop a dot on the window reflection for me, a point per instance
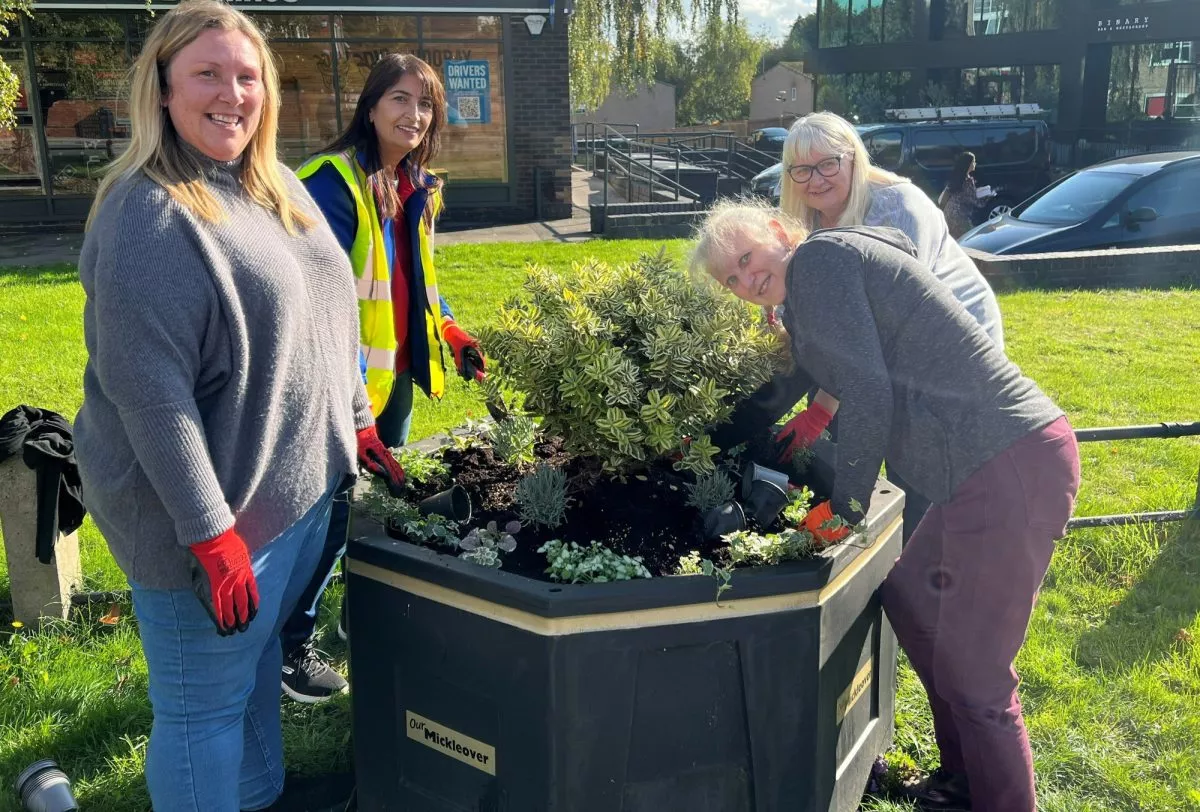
(85, 110)
(20, 169)
(308, 114)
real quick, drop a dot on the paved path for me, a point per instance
(53, 247)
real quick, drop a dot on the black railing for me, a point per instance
(1159, 430)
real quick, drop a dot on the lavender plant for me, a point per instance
(542, 496)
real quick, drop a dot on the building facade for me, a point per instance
(505, 156)
(781, 95)
(651, 107)
(1103, 68)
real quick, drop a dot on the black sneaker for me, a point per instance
(307, 678)
(943, 791)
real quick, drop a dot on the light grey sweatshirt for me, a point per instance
(222, 381)
(918, 380)
(905, 207)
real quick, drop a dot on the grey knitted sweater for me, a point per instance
(918, 380)
(222, 382)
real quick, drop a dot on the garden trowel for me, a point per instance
(492, 399)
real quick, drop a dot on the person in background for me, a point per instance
(374, 186)
(959, 200)
(918, 379)
(829, 181)
(221, 410)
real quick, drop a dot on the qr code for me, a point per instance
(469, 108)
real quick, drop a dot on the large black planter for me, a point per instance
(480, 690)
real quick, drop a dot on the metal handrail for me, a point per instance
(1158, 430)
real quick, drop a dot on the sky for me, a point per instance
(773, 18)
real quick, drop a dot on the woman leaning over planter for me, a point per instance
(221, 403)
(829, 181)
(375, 188)
(919, 380)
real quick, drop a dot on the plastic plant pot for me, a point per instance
(725, 518)
(753, 472)
(454, 504)
(43, 787)
(766, 501)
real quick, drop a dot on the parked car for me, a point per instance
(1012, 156)
(1130, 202)
(769, 140)
(766, 183)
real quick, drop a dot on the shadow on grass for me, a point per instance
(1157, 610)
(58, 274)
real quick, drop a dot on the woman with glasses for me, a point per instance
(829, 181)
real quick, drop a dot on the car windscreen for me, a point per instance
(1075, 199)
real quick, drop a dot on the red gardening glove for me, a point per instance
(375, 457)
(467, 357)
(802, 431)
(224, 582)
(818, 516)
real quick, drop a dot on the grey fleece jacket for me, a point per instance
(222, 380)
(918, 380)
(905, 207)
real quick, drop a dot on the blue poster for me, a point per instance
(468, 91)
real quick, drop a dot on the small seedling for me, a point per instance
(483, 546)
(798, 506)
(422, 467)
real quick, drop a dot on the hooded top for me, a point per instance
(918, 380)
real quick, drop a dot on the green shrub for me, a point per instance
(625, 362)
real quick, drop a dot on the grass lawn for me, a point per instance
(1111, 670)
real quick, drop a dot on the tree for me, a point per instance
(10, 83)
(724, 62)
(619, 38)
(800, 44)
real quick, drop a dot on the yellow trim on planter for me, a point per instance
(640, 618)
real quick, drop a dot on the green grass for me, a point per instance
(1111, 673)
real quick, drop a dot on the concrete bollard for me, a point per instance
(38, 590)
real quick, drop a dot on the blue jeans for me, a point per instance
(393, 425)
(216, 744)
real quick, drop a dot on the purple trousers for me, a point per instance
(960, 597)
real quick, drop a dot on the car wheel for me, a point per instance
(998, 208)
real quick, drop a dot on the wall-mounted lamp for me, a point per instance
(534, 23)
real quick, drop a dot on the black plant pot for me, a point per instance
(642, 696)
(765, 503)
(723, 519)
(753, 472)
(454, 504)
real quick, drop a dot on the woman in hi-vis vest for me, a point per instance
(375, 189)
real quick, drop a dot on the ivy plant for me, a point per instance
(625, 362)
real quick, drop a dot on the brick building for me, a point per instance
(505, 157)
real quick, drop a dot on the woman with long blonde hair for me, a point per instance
(222, 406)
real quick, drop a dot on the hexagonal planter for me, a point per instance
(478, 689)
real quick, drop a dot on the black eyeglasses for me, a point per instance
(802, 173)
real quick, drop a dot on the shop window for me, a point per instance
(459, 26)
(20, 168)
(84, 103)
(375, 26)
(897, 20)
(308, 114)
(866, 22)
(292, 26)
(77, 26)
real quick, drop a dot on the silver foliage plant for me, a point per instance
(542, 497)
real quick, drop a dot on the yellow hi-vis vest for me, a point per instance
(373, 283)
